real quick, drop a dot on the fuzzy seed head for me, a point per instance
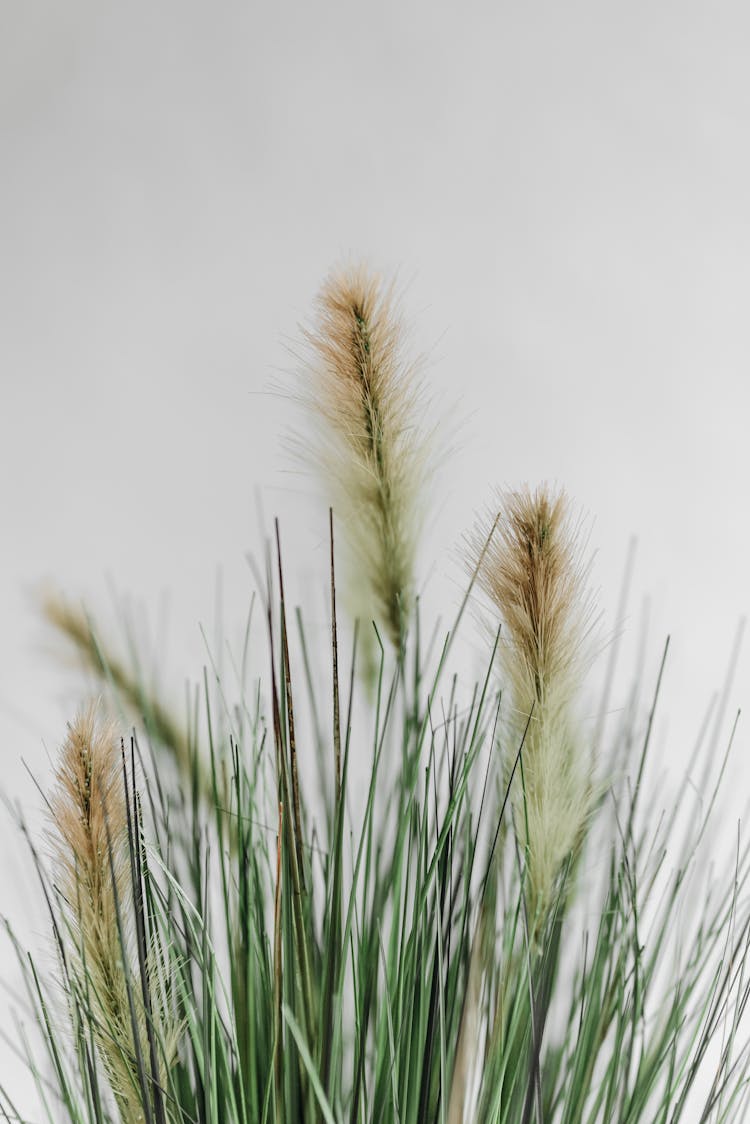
(533, 573)
(366, 396)
(91, 856)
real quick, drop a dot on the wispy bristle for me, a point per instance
(532, 571)
(373, 451)
(93, 878)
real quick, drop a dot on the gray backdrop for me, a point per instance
(564, 190)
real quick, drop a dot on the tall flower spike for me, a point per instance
(533, 573)
(367, 396)
(93, 878)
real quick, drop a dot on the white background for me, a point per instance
(564, 191)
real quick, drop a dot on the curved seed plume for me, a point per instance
(93, 878)
(533, 573)
(373, 453)
(98, 657)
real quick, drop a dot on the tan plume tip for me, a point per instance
(534, 573)
(93, 879)
(367, 396)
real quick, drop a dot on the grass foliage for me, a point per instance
(318, 900)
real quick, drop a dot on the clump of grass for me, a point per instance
(410, 949)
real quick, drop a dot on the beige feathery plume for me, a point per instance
(93, 878)
(75, 624)
(367, 395)
(532, 571)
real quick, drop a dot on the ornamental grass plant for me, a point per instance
(484, 912)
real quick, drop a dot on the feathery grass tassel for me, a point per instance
(91, 851)
(534, 575)
(373, 451)
(99, 658)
